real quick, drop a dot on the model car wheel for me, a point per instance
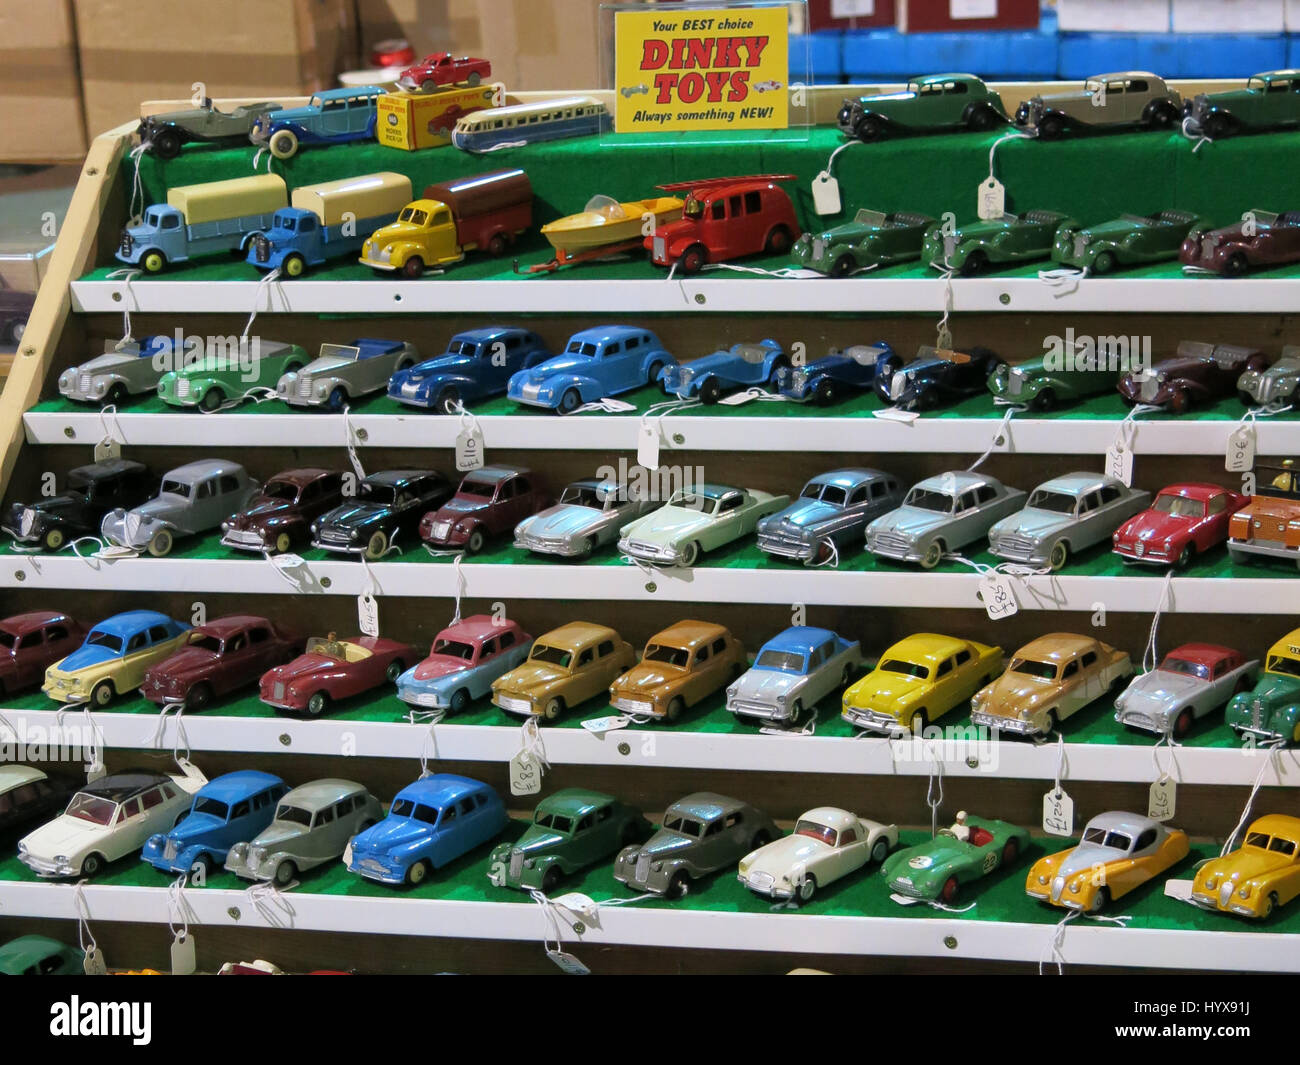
(920, 721)
(679, 885)
(1246, 397)
(933, 554)
(1045, 400)
(198, 697)
(475, 542)
(102, 694)
(1050, 127)
(843, 266)
(395, 669)
(293, 266)
(981, 119)
(1270, 904)
(570, 401)
(845, 675)
(1053, 721)
(950, 890)
(160, 543)
(318, 704)
(675, 708)
(53, 539)
(690, 553)
(1010, 852)
(779, 241)
(1180, 402)
(283, 542)
(1100, 900)
(448, 398)
(153, 261)
(880, 850)
(13, 331)
(693, 259)
(551, 879)
(473, 79)
(413, 267)
(824, 393)
(807, 888)
(1218, 126)
(710, 391)
(211, 399)
(796, 711)
(1059, 555)
(284, 873)
(417, 873)
(1160, 115)
(201, 868)
(376, 545)
(1237, 265)
(869, 128)
(165, 143)
(1185, 556)
(1183, 723)
(554, 708)
(283, 144)
(1104, 263)
(975, 262)
(588, 547)
(92, 864)
(338, 398)
(497, 245)
(459, 700)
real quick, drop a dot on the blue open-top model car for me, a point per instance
(330, 117)
(740, 366)
(477, 364)
(232, 808)
(838, 374)
(598, 362)
(431, 822)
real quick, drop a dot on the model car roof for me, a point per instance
(230, 624)
(132, 621)
(799, 638)
(203, 468)
(1077, 484)
(300, 476)
(441, 788)
(122, 786)
(712, 491)
(1201, 490)
(1287, 645)
(928, 646)
(957, 481)
(1123, 821)
(689, 633)
(1277, 75)
(490, 332)
(496, 472)
(368, 347)
(15, 776)
(831, 816)
(393, 478)
(930, 79)
(342, 94)
(19, 624)
(106, 468)
(479, 627)
(1056, 646)
(602, 333)
(705, 805)
(574, 802)
(1117, 74)
(321, 793)
(231, 787)
(848, 478)
(577, 634)
(1205, 653)
(600, 484)
(1277, 825)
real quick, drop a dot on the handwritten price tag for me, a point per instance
(991, 200)
(1241, 451)
(1119, 461)
(1058, 813)
(470, 454)
(998, 595)
(1162, 800)
(525, 774)
(368, 614)
(606, 724)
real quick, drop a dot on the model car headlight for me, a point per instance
(733, 691)
(658, 866)
(1244, 893)
(1074, 886)
(780, 699)
(66, 379)
(322, 389)
(529, 863)
(630, 856)
(100, 388)
(1042, 878)
(1212, 881)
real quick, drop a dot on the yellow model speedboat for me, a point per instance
(605, 221)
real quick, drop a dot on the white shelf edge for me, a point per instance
(663, 748)
(792, 933)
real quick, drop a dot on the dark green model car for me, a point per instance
(1269, 101)
(1013, 238)
(571, 829)
(940, 867)
(872, 239)
(1049, 381)
(1129, 240)
(930, 104)
(1271, 711)
(216, 377)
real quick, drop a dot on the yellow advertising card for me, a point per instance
(701, 69)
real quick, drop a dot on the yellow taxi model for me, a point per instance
(918, 680)
(114, 657)
(1259, 876)
(566, 667)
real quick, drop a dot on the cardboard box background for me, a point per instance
(1228, 16)
(1113, 16)
(40, 92)
(429, 25)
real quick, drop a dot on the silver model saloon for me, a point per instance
(1066, 515)
(941, 514)
(192, 499)
(830, 515)
(588, 516)
(312, 825)
(701, 834)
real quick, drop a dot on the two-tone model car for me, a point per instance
(571, 829)
(1064, 516)
(342, 373)
(430, 824)
(931, 104)
(91, 492)
(388, 505)
(826, 845)
(127, 368)
(1259, 876)
(1106, 101)
(30, 643)
(839, 374)
(1261, 238)
(1129, 240)
(1118, 853)
(942, 514)
(331, 670)
(221, 377)
(603, 361)
(728, 370)
(1045, 383)
(114, 657)
(1270, 100)
(1010, 238)
(28, 796)
(969, 850)
(1191, 682)
(312, 825)
(792, 673)
(191, 500)
(477, 365)
(278, 516)
(1183, 521)
(1269, 525)
(565, 667)
(871, 240)
(1198, 372)
(696, 520)
(1276, 386)
(464, 660)
(489, 503)
(335, 116)
(701, 833)
(935, 377)
(106, 820)
(918, 680)
(1049, 680)
(588, 516)
(682, 665)
(229, 809)
(831, 515)
(166, 133)
(1271, 709)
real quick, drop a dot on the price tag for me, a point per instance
(582, 905)
(288, 560)
(1058, 813)
(368, 613)
(1119, 461)
(998, 595)
(647, 444)
(991, 200)
(826, 193)
(183, 963)
(525, 774)
(1241, 450)
(107, 449)
(94, 964)
(1162, 799)
(608, 723)
(568, 963)
(943, 338)
(1179, 889)
(469, 449)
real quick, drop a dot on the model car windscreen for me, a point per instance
(582, 495)
(280, 490)
(867, 217)
(814, 830)
(687, 826)
(1178, 506)
(694, 501)
(454, 649)
(207, 643)
(212, 807)
(1107, 838)
(1054, 502)
(462, 347)
(381, 495)
(581, 347)
(93, 808)
(100, 638)
(827, 493)
(781, 661)
(7, 640)
(556, 656)
(1278, 664)
(294, 815)
(1027, 666)
(749, 352)
(671, 656)
(413, 810)
(559, 822)
(175, 488)
(908, 669)
(413, 215)
(1186, 667)
(477, 489)
(929, 499)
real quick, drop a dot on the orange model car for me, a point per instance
(683, 664)
(566, 666)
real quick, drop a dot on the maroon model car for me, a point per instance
(489, 502)
(278, 518)
(31, 643)
(1183, 521)
(332, 669)
(1262, 238)
(441, 69)
(227, 654)
(1198, 372)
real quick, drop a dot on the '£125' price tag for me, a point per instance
(1058, 813)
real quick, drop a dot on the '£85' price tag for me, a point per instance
(998, 595)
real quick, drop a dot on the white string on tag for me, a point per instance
(999, 439)
(269, 900)
(350, 442)
(293, 570)
(1271, 760)
(1151, 655)
(93, 963)
(607, 404)
(262, 286)
(126, 276)
(137, 185)
(258, 394)
(1192, 132)
(179, 913)
(429, 745)
(552, 925)
(832, 559)
(933, 795)
(461, 587)
(471, 454)
(110, 443)
(529, 764)
(1162, 796)
(176, 711)
(942, 334)
(1064, 280)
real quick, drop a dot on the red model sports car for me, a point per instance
(332, 669)
(441, 69)
(1184, 520)
(31, 643)
(227, 654)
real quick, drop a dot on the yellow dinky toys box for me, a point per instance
(412, 120)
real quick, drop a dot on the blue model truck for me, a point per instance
(205, 219)
(328, 221)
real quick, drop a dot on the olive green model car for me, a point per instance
(217, 377)
(930, 104)
(1107, 101)
(1129, 240)
(1048, 382)
(873, 238)
(1268, 101)
(1012, 238)
(571, 829)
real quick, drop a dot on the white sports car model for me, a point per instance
(827, 843)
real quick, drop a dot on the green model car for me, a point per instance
(1050, 381)
(872, 239)
(213, 378)
(1269, 101)
(938, 869)
(1013, 238)
(1127, 241)
(39, 956)
(1271, 711)
(571, 829)
(930, 104)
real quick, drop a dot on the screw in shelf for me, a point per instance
(651, 586)
(950, 942)
(679, 439)
(91, 171)
(397, 297)
(999, 440)
(325, 582)
(699, 298)
(624, 748)
(117, 297)
(1004, 298)
(69, 432)
(233, 913)
(29, 350)
(19, 575)
(972, 762)
(579, 928)
(286, 740)
(363, 435)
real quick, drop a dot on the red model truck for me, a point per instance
(726, 218)
(441, 69)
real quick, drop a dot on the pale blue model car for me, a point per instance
(334, 116)
(711, 377)
(598, 362)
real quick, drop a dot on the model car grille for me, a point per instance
(1079, 245)
(1208, 244)
(661, 248)
(169, 850)
(516, 865)
(642, 868)
(1257, 713)
(374, 865)
(1058, 885)
(752, 707)
(633, 706)
(1014, 545)
(522, 706)
(1225, 892)
(334, 536)
(761, 881)
(1015, 384)
(83, 382)
(543, 543)
(641, 547)
(783, 544)
(182, 388)
(1147, 721)
(440, 530)
(818, 248)
(277, 690)
(903, 886)
(243, 538)
(27, 521)
(889, 543)
(1150, 386)
(532, 390)
(949, 246)
(304, 387)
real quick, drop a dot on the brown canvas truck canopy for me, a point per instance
(483, 193)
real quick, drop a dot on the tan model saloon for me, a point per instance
(566, 667)
(683, 664)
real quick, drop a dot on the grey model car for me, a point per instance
(1128, 98)
(588, 516)
(165, 134)
(1276, 386)
(312, 825)
(127, 368)
(1066, 515)
(941, 514)
(1193, 681)
(343, 372)
(834, 508)
(701, 834)
(192, 499)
